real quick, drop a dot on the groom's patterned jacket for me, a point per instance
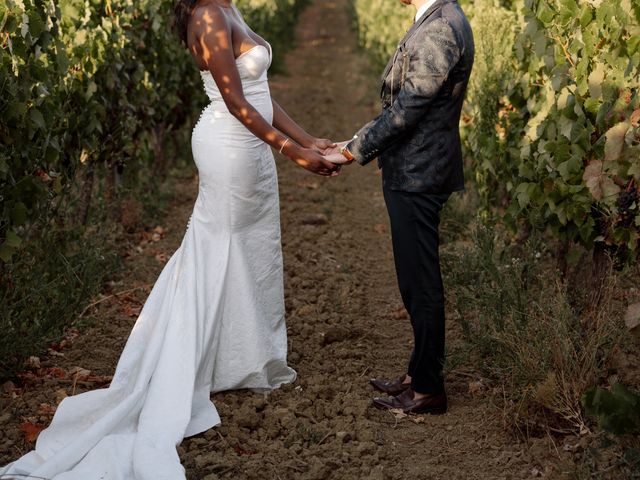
(416, 137)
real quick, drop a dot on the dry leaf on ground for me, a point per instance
(380, 228)
(31, 431)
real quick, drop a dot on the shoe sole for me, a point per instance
(428, 411)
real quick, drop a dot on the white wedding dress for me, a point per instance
(213, 321)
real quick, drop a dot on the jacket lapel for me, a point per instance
(390, 64)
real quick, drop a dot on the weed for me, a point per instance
(516, 314)
(309, 434)
(44, 288)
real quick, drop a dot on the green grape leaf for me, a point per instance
(36, 25)
(6, 252)
(565, 125)
(91, 89)
(614, 143)
(19, 213)
(37, 118)
(586, 16)
(617, 410)
(592, 177)
(596, 79)
(12, 240)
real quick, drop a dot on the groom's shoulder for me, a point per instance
(453, 14)
(448, 18)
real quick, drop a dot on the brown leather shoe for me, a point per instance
(433, 404)
(393, 388)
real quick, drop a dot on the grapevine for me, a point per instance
(551, 127)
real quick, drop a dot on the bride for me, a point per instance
(214, 320)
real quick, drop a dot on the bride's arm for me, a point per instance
(283, 122)
(213, 37)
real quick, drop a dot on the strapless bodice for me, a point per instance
(252, 67)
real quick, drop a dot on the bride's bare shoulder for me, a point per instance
(207, 13)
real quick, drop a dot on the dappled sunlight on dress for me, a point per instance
(213, 321)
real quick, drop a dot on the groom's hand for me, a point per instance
(335, 149)
(337, 158)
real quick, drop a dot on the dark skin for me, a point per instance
(216, 36)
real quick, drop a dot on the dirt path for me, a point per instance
(344, 319)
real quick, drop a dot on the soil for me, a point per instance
(345, 321)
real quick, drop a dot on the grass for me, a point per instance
(62, 268)
(44, 288)
(527, 331)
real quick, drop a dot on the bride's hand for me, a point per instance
(314, 162)
(322, 145)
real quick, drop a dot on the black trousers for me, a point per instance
(415, 219)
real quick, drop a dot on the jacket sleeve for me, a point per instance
(428, 69)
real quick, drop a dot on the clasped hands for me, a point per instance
(322, 157)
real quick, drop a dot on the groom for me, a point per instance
(417, 143)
